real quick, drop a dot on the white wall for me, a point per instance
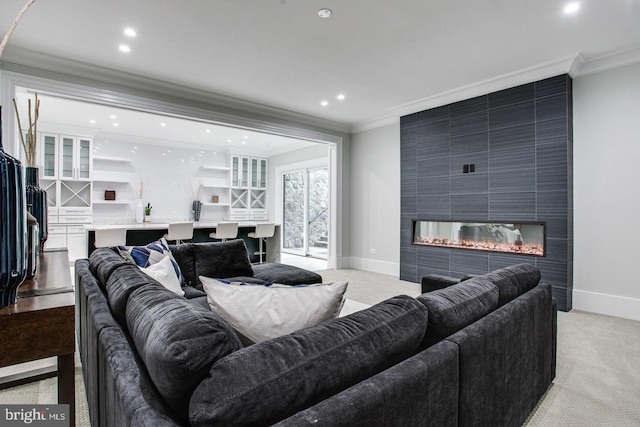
(606, 192)
(375, 200)
(171, 180)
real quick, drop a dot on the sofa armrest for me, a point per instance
(285, 274)
(433, 282)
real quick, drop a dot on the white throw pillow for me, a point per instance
(164, 273)
(261, 312)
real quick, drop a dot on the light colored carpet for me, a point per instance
(598, 370)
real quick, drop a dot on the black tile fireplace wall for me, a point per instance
(520, 143)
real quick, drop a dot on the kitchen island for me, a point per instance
(139, 234)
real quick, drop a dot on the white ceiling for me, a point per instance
(387, 57)
(73, 117)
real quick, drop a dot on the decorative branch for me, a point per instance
(13, 25)
(140, 189)
(29, 145)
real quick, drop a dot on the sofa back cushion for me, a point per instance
(221, 260)
(269, 381)
(120, 284)
(457, 306)
(177, 340)
(514, 281)
(103, 262)
(183, 254)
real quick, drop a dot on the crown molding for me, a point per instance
(41, 64)
(375, 123)
(505, 81)
(621, 58)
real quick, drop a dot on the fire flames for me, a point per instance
(516, 248)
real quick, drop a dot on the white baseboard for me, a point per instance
(611, 305)
(374, 266)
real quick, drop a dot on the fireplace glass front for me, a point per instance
(520, 238)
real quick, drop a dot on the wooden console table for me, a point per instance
(41, 324)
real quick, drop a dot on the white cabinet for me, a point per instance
(214, 192)
(56, 237)
(49, 156)
(239, 172)
(76, 242)
(248, 188)
(258, 174)
(66, 164)
(74, 157)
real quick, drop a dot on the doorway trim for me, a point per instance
(110, 94)
(279, 196)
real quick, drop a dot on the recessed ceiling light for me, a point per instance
(130, 32)
(244, 142)
(324, 103)
(324, 13)
(246, 137)
(208, 131)
(163, 124)
(340, 97)
(92, 121)
(116, 125)
(229, 141)
(124, 48)
(113, 116)
(571, 8)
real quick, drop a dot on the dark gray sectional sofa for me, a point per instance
(481, 352)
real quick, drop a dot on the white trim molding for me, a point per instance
(373, 265)
(610, 305)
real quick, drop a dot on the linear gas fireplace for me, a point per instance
(509, 237)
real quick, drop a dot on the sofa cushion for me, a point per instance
(183, 254)
(103, 262)
(177, 340)
(454, 307)
(120, 285)
(514, 280)
(285, 274)
(221, 259)
(154, 252)
(262, 312)
(269, 381)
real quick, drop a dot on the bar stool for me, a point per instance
(263, 230)
(180, 231)
(225, 230)
(108, 237)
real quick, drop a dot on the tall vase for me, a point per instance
(196, 209)
(36, 203)
(139, 212)
(33, 243)
(13, 227)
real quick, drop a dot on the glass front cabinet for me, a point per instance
(65, 157)
(249, 188)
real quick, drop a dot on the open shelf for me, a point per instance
(111, 202)
(216, 168)
(112, 159)
(224, 205)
